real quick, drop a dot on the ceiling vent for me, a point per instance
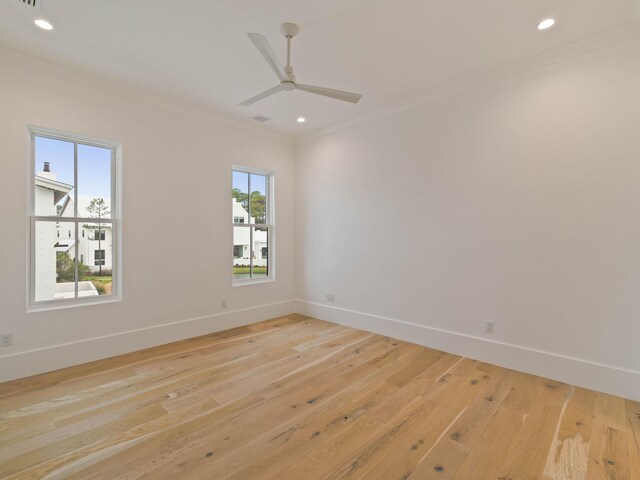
(260, 118)
(37, 4)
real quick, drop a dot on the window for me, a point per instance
(99, 257)
(74, 188)
(253, 226)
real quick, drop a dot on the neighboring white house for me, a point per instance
(242, 240)
(54, 237)
(48, 192)
(95, 242)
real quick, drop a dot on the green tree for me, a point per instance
(240, 197)
(258, 207)
(98, 209)
(65, 268)
(258, 204)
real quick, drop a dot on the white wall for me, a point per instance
(515, 202)
(177, 172)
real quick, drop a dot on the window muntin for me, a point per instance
(252, 220)
(73, 190)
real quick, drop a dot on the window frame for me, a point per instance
(115, 221)
(270, 225)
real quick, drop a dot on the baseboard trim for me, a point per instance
(54, 357)
(562, 368)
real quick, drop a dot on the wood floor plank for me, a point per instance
(496, 439)
(401, 457)
(633, 417)
(444, 459)
(299, 398)
(609, 452)
(528, 458)
(569, 452)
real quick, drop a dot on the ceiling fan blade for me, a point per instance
(262, 95)
(262, 44)
(330, 92)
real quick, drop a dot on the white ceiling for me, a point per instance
(391, 51)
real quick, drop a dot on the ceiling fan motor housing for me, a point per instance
(289, 70)
(289, 30)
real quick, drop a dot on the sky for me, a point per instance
(94, 166)
(258, 182)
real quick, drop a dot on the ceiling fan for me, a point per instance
(285, 74)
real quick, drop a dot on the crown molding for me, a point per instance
(518, 67)
(167, 101)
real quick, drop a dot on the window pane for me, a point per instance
(240, 194)
(54, 177)
(259, 199)
(54, 262)
(241, 252)
(94, 182)
(260, 252)
(96, 252)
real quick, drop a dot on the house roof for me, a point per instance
(60, 189)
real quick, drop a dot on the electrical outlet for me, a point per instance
(489, 327)
(6, 339)
(223, 303)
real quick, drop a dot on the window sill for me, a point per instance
(60, 305)
(252, 281)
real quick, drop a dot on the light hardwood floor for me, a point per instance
(299, 398)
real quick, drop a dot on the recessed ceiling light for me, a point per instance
(43, 24)
(546, 23)
(301, 119)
